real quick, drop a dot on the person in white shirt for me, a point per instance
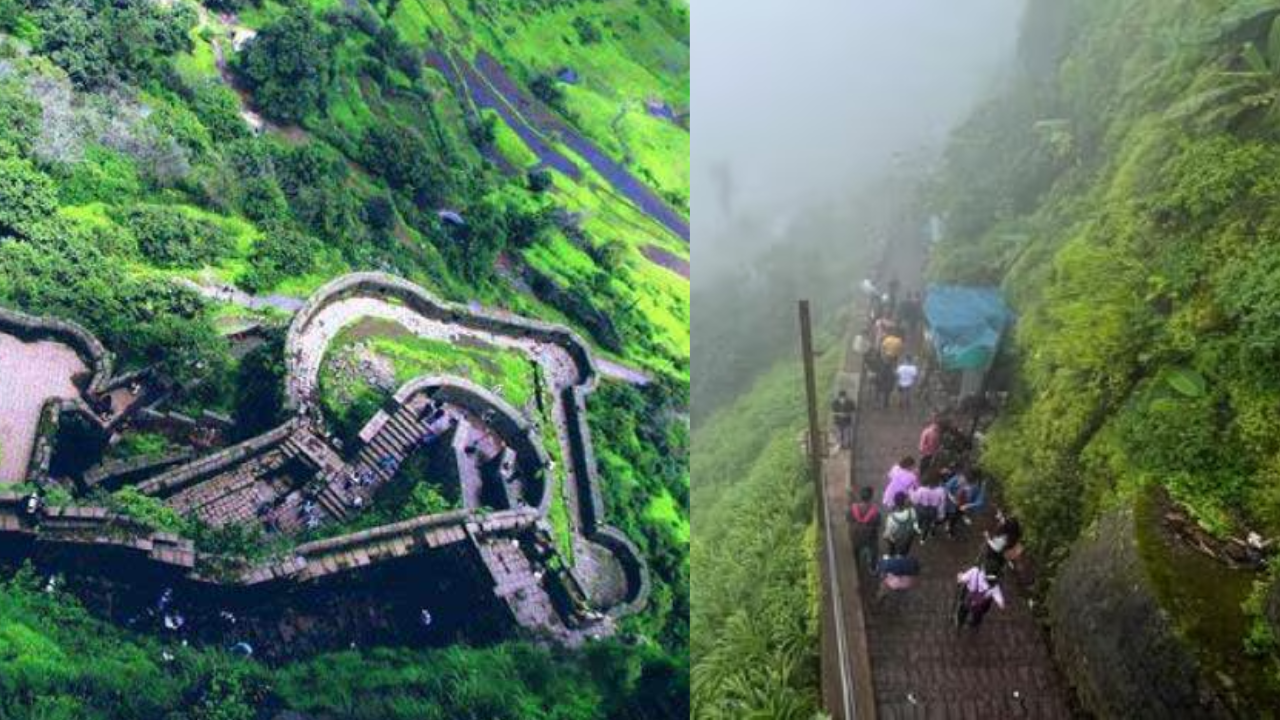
(907, 373)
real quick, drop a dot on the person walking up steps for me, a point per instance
(930, 443)
(901, 527)
(907, 373)
(884, 380)
(930, 501)
(902, 478)
(977, 589)
(842, 408)
(965, 498)
(864, 528)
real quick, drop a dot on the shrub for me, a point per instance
(170, 237)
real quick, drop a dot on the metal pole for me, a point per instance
(811, 393)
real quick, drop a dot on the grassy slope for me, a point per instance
(753, 617)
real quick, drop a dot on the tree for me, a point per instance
(170, 237)
(27, 198)
(287, 66)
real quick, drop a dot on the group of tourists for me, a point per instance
(892, 322)
(941, 493)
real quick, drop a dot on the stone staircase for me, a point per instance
(397, 438)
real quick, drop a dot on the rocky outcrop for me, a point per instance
(1112, 638)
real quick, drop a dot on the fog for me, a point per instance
(802, 102)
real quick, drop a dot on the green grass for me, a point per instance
(200, 62)
(509, 144)
(662, 509)
(507, 372)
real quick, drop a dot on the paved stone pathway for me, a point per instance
(922, 665)
(30, 374)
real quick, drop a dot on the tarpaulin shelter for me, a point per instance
(964, 325)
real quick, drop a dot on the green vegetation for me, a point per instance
(126, 164)
(642, 450)
(755, 598)
(60, 662)
(1138, 246)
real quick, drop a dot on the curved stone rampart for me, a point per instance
(33, 328)
(633, 566)
(397, 289)
(98, 527)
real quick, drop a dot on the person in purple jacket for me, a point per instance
(902, 478)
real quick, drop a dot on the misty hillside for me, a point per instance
(1120, 190)
(1122, 194)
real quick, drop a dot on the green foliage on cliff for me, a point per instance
(755, 591)
(1141, 263)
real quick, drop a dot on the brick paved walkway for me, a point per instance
(922, 666)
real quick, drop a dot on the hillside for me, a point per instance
(178, 178)
(1121, 191)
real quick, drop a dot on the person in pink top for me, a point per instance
(930, 443)
(902, 479)
(930, 500)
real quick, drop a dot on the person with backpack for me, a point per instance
(842, 408)
(901, 527)
(897, 572)
(977, 589)
(864, 528)
(930, 501)
(965, 498)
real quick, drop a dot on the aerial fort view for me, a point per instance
(344, 359)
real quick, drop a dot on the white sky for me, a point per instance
(806, 99)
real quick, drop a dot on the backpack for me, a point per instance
(900, 531)
(867, 514)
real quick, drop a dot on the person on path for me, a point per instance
(930, 502)
(910, 314)
(891, 346)
(977, 589)
(861, 346)
(1003, 544)
(897, 572)
(864, 528)
(930, 443)
(901, 478)
(885, 381)
(894, 285)
(907, 373)
(869, 289)
(965, 498)
(842, 408)
(900, 527)
(884, 327)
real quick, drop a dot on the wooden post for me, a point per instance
(816, 446)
